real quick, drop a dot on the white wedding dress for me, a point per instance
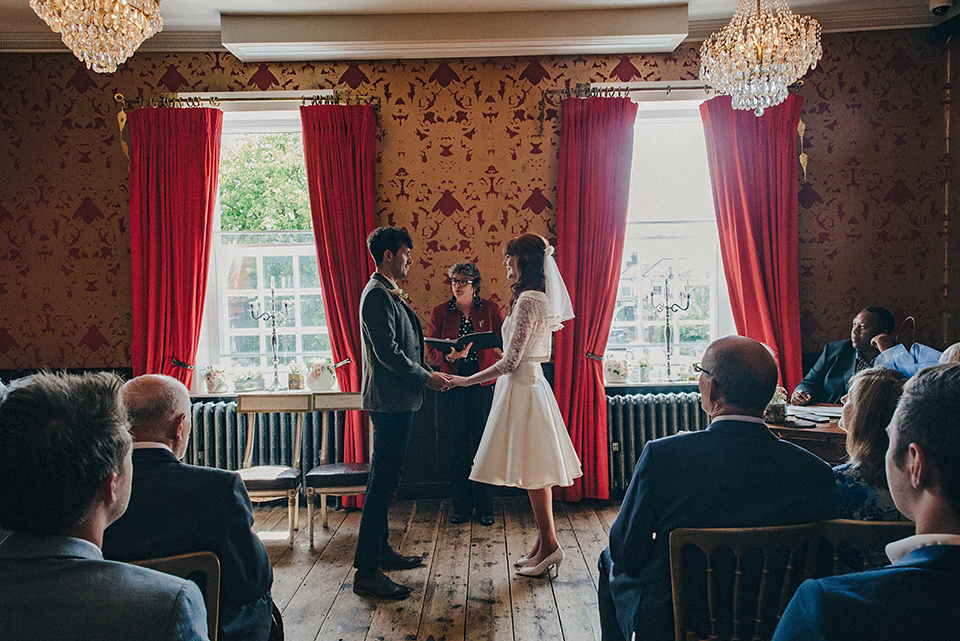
(525, 443)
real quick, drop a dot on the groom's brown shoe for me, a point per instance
(379, 586)
(393, 560)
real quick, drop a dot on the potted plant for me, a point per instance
(295, 376)
(320, 376)
(615, 370)
(776, 410)
(213, 378)
(248, 381)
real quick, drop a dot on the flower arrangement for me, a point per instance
(319, 365)
(295, 368)
(643, 363)
(250, 375)
(616, 367)
(776, 411)
(779, 396)
(213, 377)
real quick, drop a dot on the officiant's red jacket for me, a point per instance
(445, 323)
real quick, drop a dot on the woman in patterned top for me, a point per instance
(862, 492)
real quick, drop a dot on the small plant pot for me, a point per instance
(252, 385)
(295, 381)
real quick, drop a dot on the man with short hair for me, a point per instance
(64, 477)
(177, 508)
(871, 343)
(394, 377)
(735, 473)
(918, 595)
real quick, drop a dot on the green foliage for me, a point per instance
(263, 184)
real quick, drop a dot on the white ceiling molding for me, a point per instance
(271, 38)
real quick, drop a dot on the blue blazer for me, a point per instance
(733, 474)
(54, 588)
(176, 508)
(827, 379)
(394, 372)
(918, 599)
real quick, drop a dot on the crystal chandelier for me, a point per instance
(764, 49)
(102, 33)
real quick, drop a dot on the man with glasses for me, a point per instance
(735, 473)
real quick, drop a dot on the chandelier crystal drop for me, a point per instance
(765, 48)
(101, 33)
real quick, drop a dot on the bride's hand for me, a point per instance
(459, 381)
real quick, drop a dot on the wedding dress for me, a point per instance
(525, 442)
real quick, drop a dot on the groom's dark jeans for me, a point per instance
(391, 432)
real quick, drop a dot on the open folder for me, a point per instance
(480, 340)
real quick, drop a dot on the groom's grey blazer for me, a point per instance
(394, 372)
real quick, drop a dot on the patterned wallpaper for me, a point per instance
(462, 165)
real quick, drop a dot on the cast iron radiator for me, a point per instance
(634, 420)
(219, 435)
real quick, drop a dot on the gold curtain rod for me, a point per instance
(339, 97)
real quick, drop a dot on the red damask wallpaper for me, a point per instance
(463, 165)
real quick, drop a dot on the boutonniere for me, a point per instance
(400, 295)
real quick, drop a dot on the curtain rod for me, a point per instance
(174, 100)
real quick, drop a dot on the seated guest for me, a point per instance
(65, 476)
(862, 492)
(736, 473)
(177, 508)
(870, 344)
(917, 597)
(951, 354)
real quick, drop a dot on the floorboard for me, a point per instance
(466, 590)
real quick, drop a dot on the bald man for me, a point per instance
(177, 508)
(735, 473)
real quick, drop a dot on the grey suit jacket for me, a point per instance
(58, 587)
(394, 372)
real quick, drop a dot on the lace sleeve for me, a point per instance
(530, 317)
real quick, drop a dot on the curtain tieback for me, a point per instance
(176, 361)
(594, 357)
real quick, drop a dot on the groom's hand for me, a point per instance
(438, 381)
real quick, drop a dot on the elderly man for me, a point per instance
(177, 508)
(736, 473)
(64, 477)
(918, 596)
(871, 343)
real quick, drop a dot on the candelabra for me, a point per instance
(273, 316)
(669, 308)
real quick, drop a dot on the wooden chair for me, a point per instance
(339, 479)
(854, 546)
(739, 583)
(271, 482)
(203, 568)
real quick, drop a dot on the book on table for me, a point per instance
(480, 340)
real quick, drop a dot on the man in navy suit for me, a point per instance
(394, 377)
(177, 508)
(736, 473)
(918, 596)
(65, 475)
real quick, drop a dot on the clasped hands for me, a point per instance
(441, 382)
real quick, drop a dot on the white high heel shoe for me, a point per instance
(551, 562)
(522, 561)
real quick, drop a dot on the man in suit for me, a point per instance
(736, 473)
(917, 597)
(394, 376)
(177, 508)
(65, 475)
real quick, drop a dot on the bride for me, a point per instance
(525, 442)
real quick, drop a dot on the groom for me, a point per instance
(394, 375)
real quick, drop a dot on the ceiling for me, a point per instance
(195, 24)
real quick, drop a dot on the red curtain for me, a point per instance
(753, 168)
(174, 159)
(596, 151)
(339, 144)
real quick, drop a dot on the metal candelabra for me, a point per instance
(273, 316)
(669, 308)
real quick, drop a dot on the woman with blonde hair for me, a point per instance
(868, 407)
(525, 442)
(951, 354)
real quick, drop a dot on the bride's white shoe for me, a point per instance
(550, 562)
(522, 561)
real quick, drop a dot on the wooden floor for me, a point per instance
(465, 590)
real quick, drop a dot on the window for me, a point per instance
(671, 280)
(263, 254)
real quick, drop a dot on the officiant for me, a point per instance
(463, 410)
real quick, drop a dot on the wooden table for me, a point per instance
(826, 440)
